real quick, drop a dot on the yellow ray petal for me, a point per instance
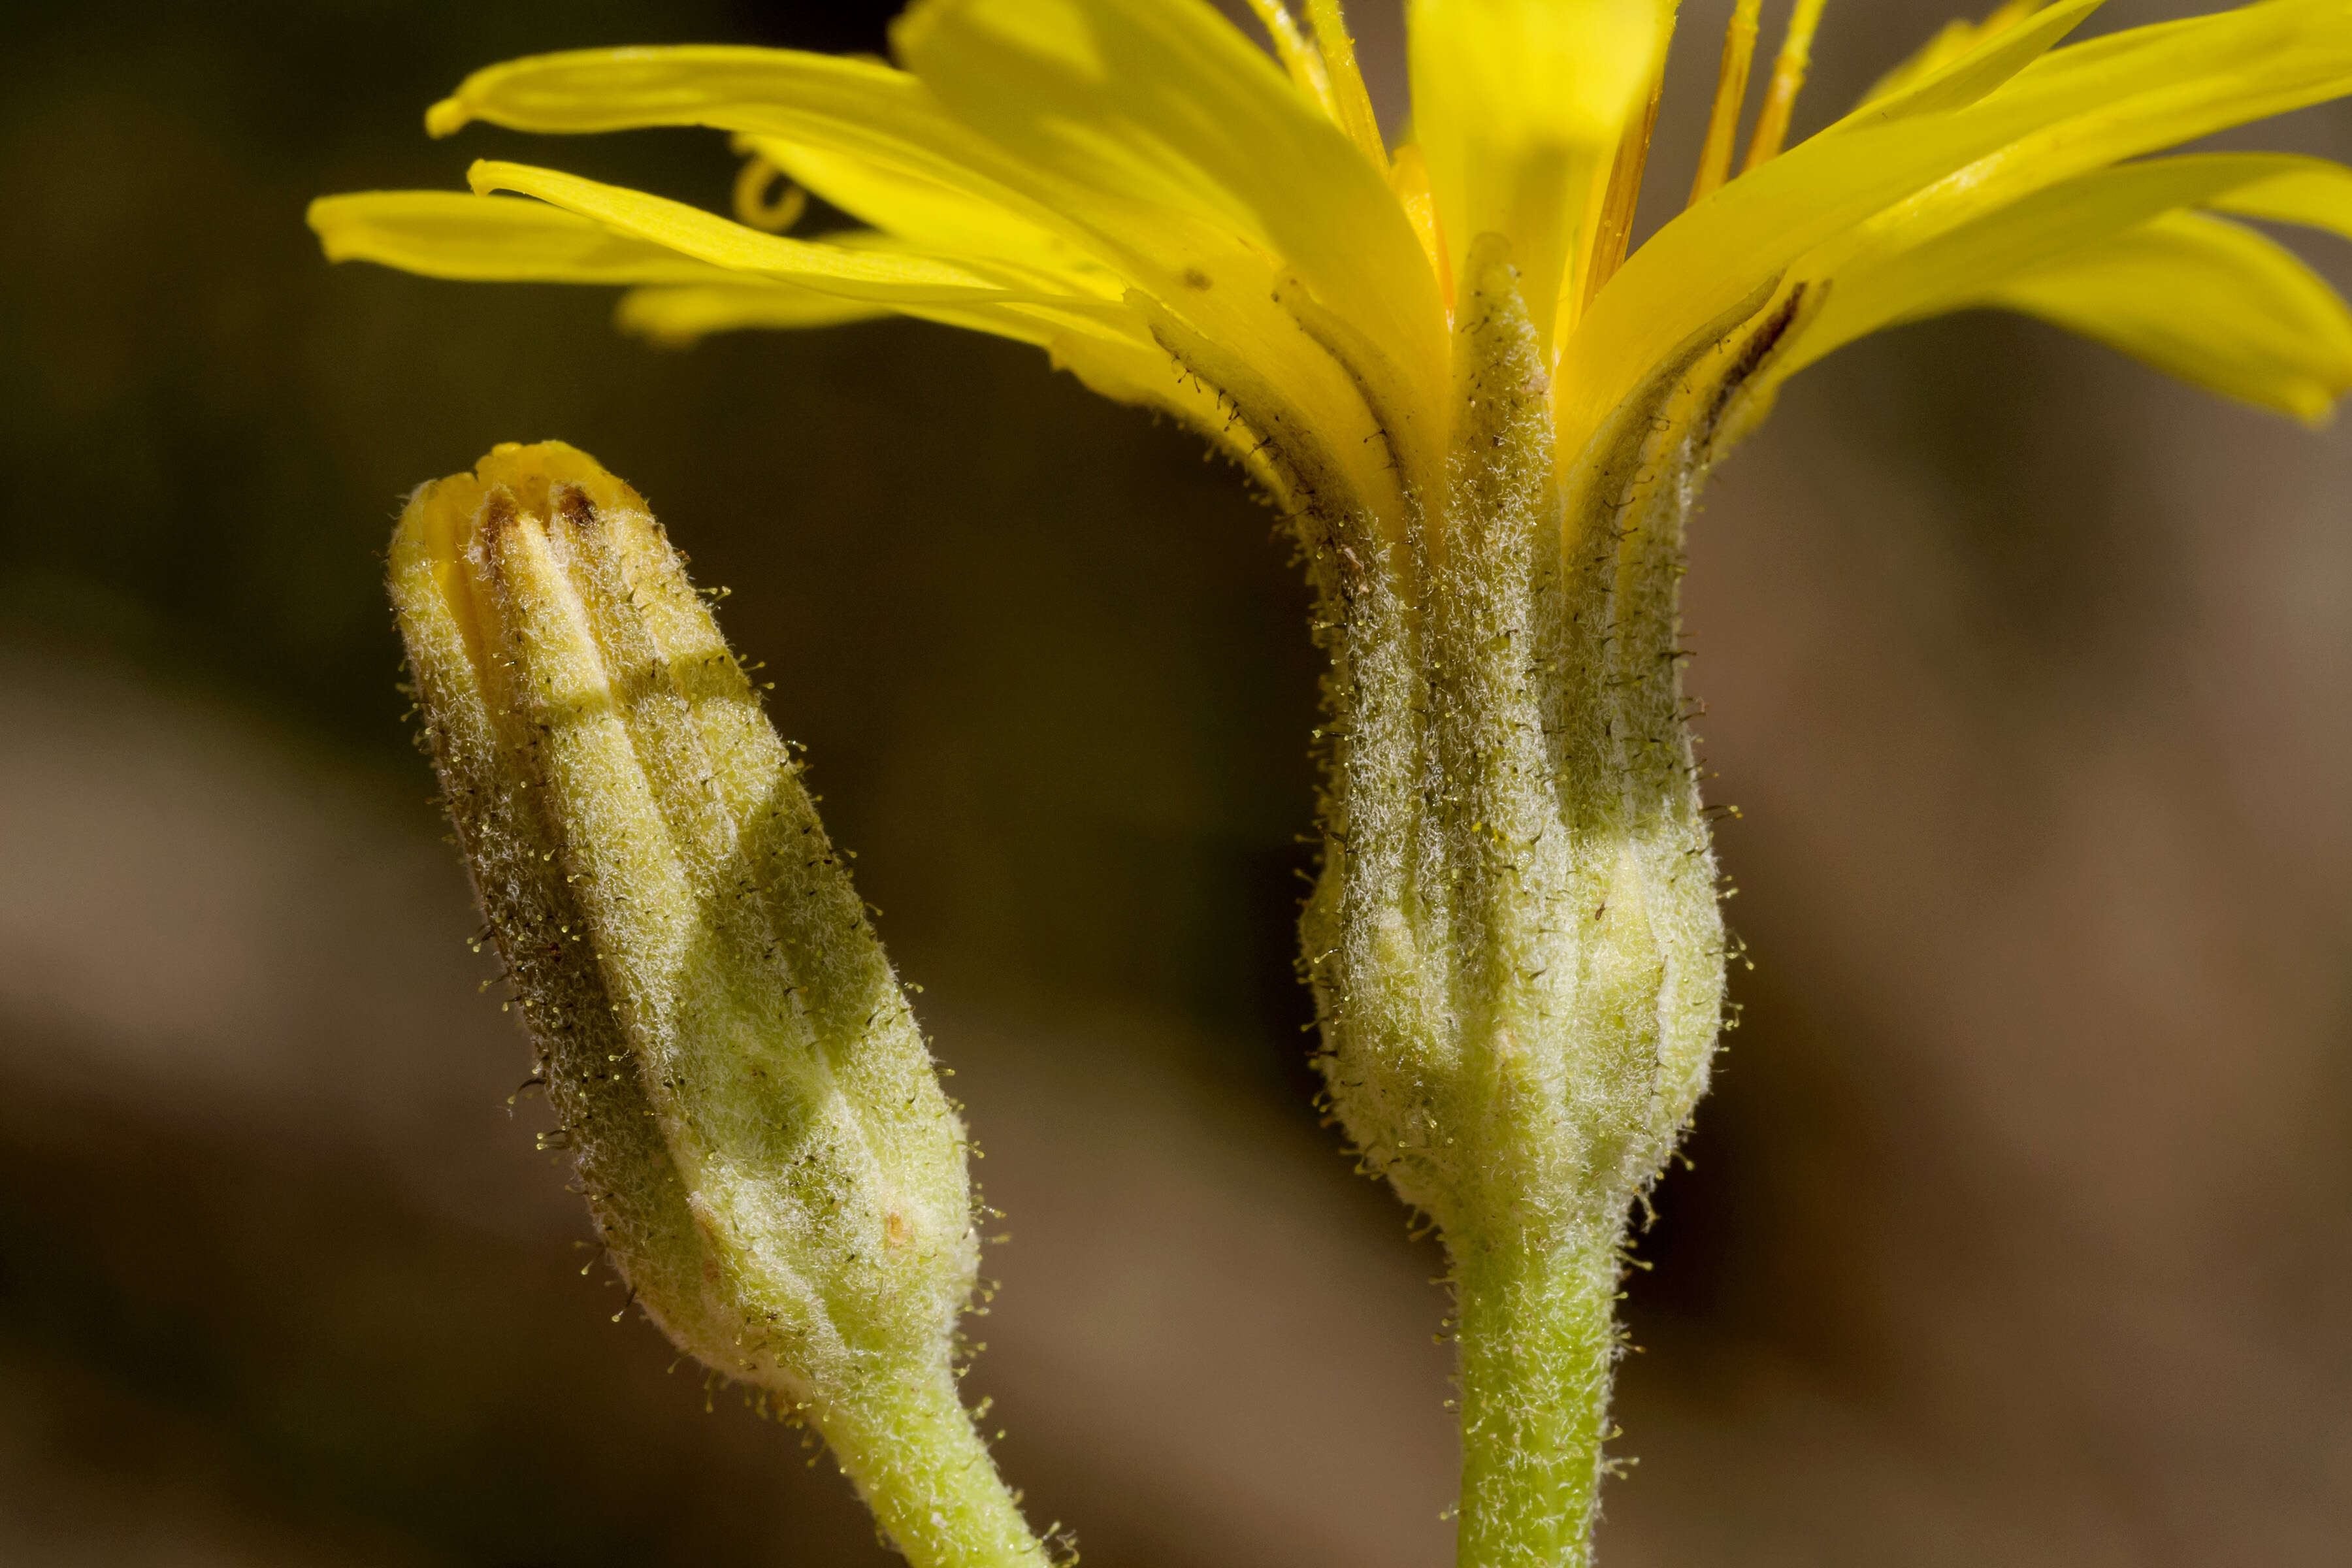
(2264, 328)
(677, 316)
(585, 91)
(1162, 104)
(887, 137)
(884, 271)
(1099, 91)
(1112, 351)
(2074, 109)
(2314, 193)
(949, 219)
(681, 315)
(887, 121)
(2050, 156)
(476, 238)
(862, 273)
(862, 134)
(1519, 106)
(1901, 281)
(1408, 178)
(857, 131)
(1957, 38)
(1976, 63)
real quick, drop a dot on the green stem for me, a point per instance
(910, 1447)
(1539, 1344)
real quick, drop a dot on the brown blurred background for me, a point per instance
(2017, 1231)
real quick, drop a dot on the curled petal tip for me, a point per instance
(447, 118)
(319, 218)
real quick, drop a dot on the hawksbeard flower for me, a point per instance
(1487, 423)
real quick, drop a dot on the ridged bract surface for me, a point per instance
(1515, 944)
(761, 1133)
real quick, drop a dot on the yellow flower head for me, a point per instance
(1185, 222)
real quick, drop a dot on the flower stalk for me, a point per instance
(1540, 1342)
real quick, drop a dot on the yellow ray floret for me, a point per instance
(1957, 38)
(1519, 105)
(2266, 330)
(2005, 119)
(1185, 221)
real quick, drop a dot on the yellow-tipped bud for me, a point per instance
(761, 1132)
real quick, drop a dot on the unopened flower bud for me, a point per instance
(759, 1130)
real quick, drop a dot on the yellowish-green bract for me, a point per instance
(1515, 944)
(761, 1133)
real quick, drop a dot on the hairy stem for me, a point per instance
(1539, 1344)
(910, 1447)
